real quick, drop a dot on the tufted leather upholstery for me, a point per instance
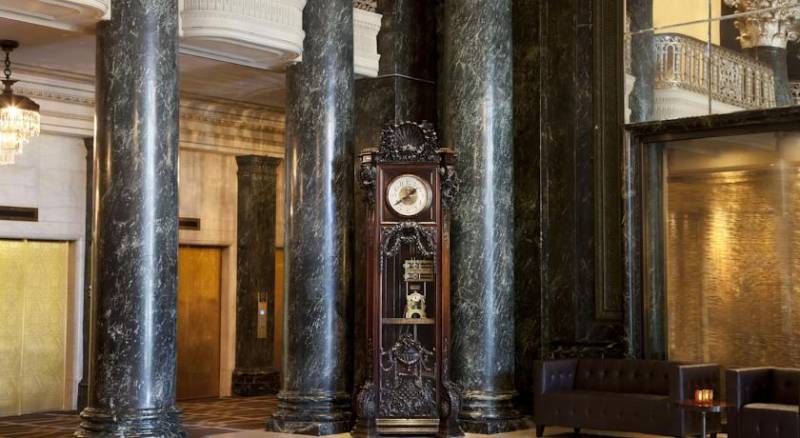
(631, 376)
(765, 402)
(620, 395)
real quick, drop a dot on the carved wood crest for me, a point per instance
(409, 142)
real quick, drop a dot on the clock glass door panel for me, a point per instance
(408, 384)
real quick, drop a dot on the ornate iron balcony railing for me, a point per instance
(734, 78)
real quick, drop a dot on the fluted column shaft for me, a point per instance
(316, 372)
(477, 122)
(134, 293)
(255, 276)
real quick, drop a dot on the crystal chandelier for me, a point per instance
(19, 116)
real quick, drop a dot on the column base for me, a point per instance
(250, 382)
(312, 414)
(490, 413)
(140, 423)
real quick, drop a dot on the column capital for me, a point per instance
(772, 23)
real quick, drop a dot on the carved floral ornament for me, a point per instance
(367, 5)
(768, 23)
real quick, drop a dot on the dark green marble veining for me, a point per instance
(255, 275)
(317, 363)
(477, 123)
(134, 293)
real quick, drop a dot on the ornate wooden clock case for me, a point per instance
(409, 183)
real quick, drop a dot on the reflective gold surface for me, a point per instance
(198, 322)
(733, 256)
(33, 325)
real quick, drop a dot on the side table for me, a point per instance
(704, 408)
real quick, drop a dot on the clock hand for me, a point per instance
(407, 195)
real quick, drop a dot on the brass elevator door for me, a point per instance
(198, 321)
(34, 282)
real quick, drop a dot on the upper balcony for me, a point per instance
(255, 33)
(264, 34)
(685, 77)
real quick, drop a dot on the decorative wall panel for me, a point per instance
(33, 326)
(733, 261)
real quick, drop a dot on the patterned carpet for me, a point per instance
(200, 418)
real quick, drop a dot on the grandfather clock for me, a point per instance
(409, 183)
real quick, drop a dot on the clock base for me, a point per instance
(309, 427)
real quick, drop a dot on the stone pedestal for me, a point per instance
(255, 277)
(317, 366)
(477, 123)
(134, 293)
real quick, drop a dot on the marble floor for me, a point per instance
(201, 418)
(220, 418)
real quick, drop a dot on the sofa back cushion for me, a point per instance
(786, 386)
(622, 375)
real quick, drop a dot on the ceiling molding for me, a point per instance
(72, 15)
(256, 33)
(366, 26)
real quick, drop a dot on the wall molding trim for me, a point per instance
(210, 125)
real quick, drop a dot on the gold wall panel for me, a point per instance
(733, 258)
(33, 325)
(199, 271)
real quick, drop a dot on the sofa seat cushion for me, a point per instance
(769, 420)
(646, 413)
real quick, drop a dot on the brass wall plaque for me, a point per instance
(261, 330)
(418, 270)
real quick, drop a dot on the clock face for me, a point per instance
(408, 195)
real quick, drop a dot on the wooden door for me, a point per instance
(198, 322)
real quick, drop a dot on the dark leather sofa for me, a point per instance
(621, 395)
(765, 402)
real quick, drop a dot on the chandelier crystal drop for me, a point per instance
(19, 116)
